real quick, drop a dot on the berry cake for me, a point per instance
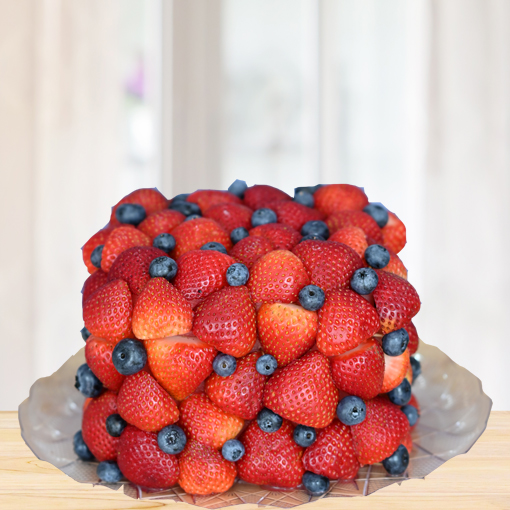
(247, 335)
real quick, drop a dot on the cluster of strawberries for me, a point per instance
(224, 339)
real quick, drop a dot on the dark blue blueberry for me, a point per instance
(308, 189)
(364, 280)
(377, 256)
(192, 217)
(97, 255)
(224, 365)
(87, 382)
(232, 450)
(412, 414)
(397, 463)
(214, 246)
(315, 228)
(181, 197)
(237, 234)
(266, 364)
(172, 439)
(85, 333)
(80, 448)
(351, 410)
(186, 208)
(262, 217)
(401, 395)
(129, 356)
(312, 297)
(269, 421)
(109, 471)
(163, 267)
(316, 485)
(312, 237)
(304, 198)
(238, 188)
(395, 343)
(131, 214)
(165, 242)
(304, 436)
(115, 425)
(378, 212)
(416, 367)
(237, 274)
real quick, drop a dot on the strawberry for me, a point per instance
(414, 340)
(395, 369)
(95, 281)
(332, 454)
(258, 196)
(227, 321)
(283, 237)
(396, 301)
(353, 237)
(286, 331)
(206, 422)
(150, 198)
(107, 312)
(295, 215)
(345, 320)
(408, 442)
(241, 392)
(250, 249)
(161, 311)
(278, 276)
(381, 432)
(339, 197)
(161, 222)
(394, 233)
(143, 463)
(330, 265)
(98, 354)
(230, 216)
(204, 471)
(359, 219)
(97, 239)
(303, 392)
(144, 403)
(206, 198)
(86, 403)
(180, 363)
(395, 265)
(360, 371)
(271, 458)
(120, 239)
(93, 427)
(409, 374)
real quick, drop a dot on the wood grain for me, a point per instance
(478, 480)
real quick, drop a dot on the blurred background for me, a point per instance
(410, 100)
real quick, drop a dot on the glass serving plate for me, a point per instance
(454, 413)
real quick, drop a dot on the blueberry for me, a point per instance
(316, 485)
(165, 242)
(192, 217)
(115, 425)
(315, 227)
(312, 237)
(412, 414)
(395, 343)
(131, 214)
(109, 471)
(237, 274)
(266, 364)
(397, 463)
(364, 280)
(312, 297)
(304, 436)
(172, 439)
(97, 255)
(237, 234)
(238, 188)
(224, 365)
(416, 367)
(262, 217)
(378, 212)
(269, 421)
(129, 356)
(186, 208)
(232, 450)
(309, 189)
(80, 448)
(401, 395)
(351, 410)
(304, 198)
(163, 267)
(87, 382)
(85, 333)
(214, 246)
(377, 256)
(181, 197)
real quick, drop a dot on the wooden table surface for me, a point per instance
(478, 480)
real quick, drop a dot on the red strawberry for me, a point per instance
(409, 374)
(227, 320)
(250, 249)
(408, 442)
(161, 222)
(345, 321)
(359, 219)
(396, 301)
(98, 354)
(332, 454)
(330, 265)
(394, 233)
(161, 311)
(295, 215)
(86, 403)
(230, 216)
(360, 372)
(271, 458)
(92, 283)
(286, 331)
(353, 237)
(395, 265)
(107, 312)
(395, 369)
(203, 470)
(97, 239)
(382, 431)
(180, 363)
(278, 276)
(283, 237)
(143, 463)
(93, 427)
(240, 393)
(120, 239)
(150, 198)
(260, 195)
(206, 198)
(303, 392)
(414, 340)
(144, 403)
(339, 197)
(206, 422)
